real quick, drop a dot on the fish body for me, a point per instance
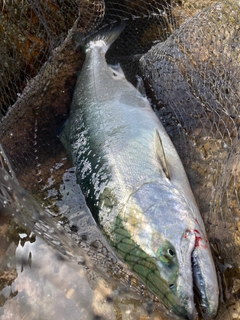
(135, 184)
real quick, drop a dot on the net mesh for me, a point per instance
(195, 81)
(188, 56)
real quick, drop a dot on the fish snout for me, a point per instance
(197, 258)
(205, 279)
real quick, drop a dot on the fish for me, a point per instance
(135, 184)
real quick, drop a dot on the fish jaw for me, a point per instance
(184, 283)
(205, 279)
(196, 256)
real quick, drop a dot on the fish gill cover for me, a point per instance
(187, 53)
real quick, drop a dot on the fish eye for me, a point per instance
(171, 252)
(172, 285)
(166, 254)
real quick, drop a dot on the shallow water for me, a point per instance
(52, 287)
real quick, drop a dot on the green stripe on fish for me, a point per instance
(135, 185)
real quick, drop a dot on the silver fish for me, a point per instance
(135, 184)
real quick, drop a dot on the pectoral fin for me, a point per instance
(161, 154)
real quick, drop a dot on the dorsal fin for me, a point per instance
(161, 154)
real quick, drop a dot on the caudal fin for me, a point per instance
(106, 36)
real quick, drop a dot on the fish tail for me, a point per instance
(104, 36)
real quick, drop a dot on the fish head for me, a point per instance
(167, 247)
(158, 267)
(176, 276)
(197, 279)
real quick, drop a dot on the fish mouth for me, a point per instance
(197, 274)
(205, 282)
